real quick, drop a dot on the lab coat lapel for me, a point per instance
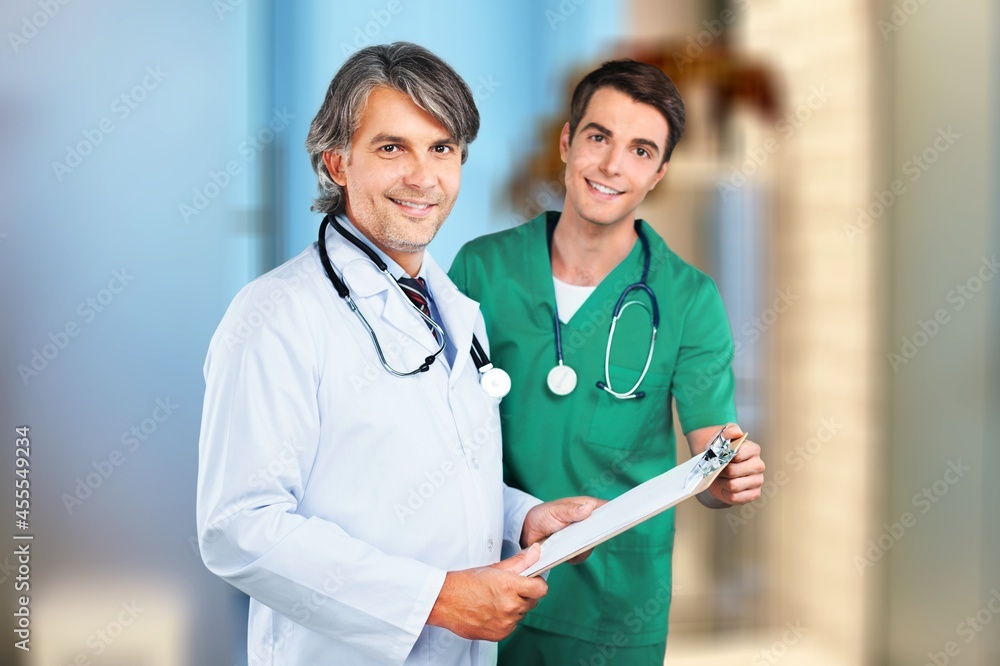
(375, 295)
(459, 312)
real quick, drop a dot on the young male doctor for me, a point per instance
(350, 461)
(573, 302)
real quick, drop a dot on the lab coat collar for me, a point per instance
(373, 290)
(394, 268)
(367, 283)
(380, 283)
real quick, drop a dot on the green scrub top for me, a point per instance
(589, 442)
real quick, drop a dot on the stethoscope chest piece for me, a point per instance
(561, 379)
(495, 381)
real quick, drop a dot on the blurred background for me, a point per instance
(837, 179)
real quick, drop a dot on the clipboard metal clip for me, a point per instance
(717, 455)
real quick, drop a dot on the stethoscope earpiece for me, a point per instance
(638, 395)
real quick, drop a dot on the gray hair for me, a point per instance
(430, 82)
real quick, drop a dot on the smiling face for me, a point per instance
(401, 177)
(614, 160)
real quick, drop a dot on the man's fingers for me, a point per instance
(751, 449)
(521, 561)
(741, 480)
(743, 497)
(732, 431)
(550, 517)
(743, 483)
(747, 451)
(573, 509)
(738, 470)
(746, 462)
(531, 590)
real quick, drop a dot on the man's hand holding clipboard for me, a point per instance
(649, 499)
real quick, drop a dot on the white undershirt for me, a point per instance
(569, 298)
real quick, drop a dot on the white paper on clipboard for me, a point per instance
(637, 505)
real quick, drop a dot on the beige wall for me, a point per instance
(827, 346)
(943, 74)
(894, 89)
(824, 364)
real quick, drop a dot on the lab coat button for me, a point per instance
(475, 463)
(489, 545)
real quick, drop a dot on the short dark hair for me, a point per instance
(642, 82)
(429, 81)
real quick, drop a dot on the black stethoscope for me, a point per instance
(494, 381)
(561, 379)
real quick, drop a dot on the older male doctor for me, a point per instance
(350, 460)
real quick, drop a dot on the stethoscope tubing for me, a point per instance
(620, 306)
(345, 294)
(479, 356)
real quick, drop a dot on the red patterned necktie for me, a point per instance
(416, 290)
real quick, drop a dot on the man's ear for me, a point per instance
(335, 161)
(564, 143)
(659, 175)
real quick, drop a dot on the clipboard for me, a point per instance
(637, 505)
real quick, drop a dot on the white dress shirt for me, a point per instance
(335, 494)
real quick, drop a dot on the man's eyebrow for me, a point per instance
(600, 128)
(386, 138)
(604, 130)
(648, 143)
(383, 138)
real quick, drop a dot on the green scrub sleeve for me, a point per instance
(703, 385)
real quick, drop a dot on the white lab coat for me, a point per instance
(337, 495)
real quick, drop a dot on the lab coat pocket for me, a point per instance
(627, 423)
